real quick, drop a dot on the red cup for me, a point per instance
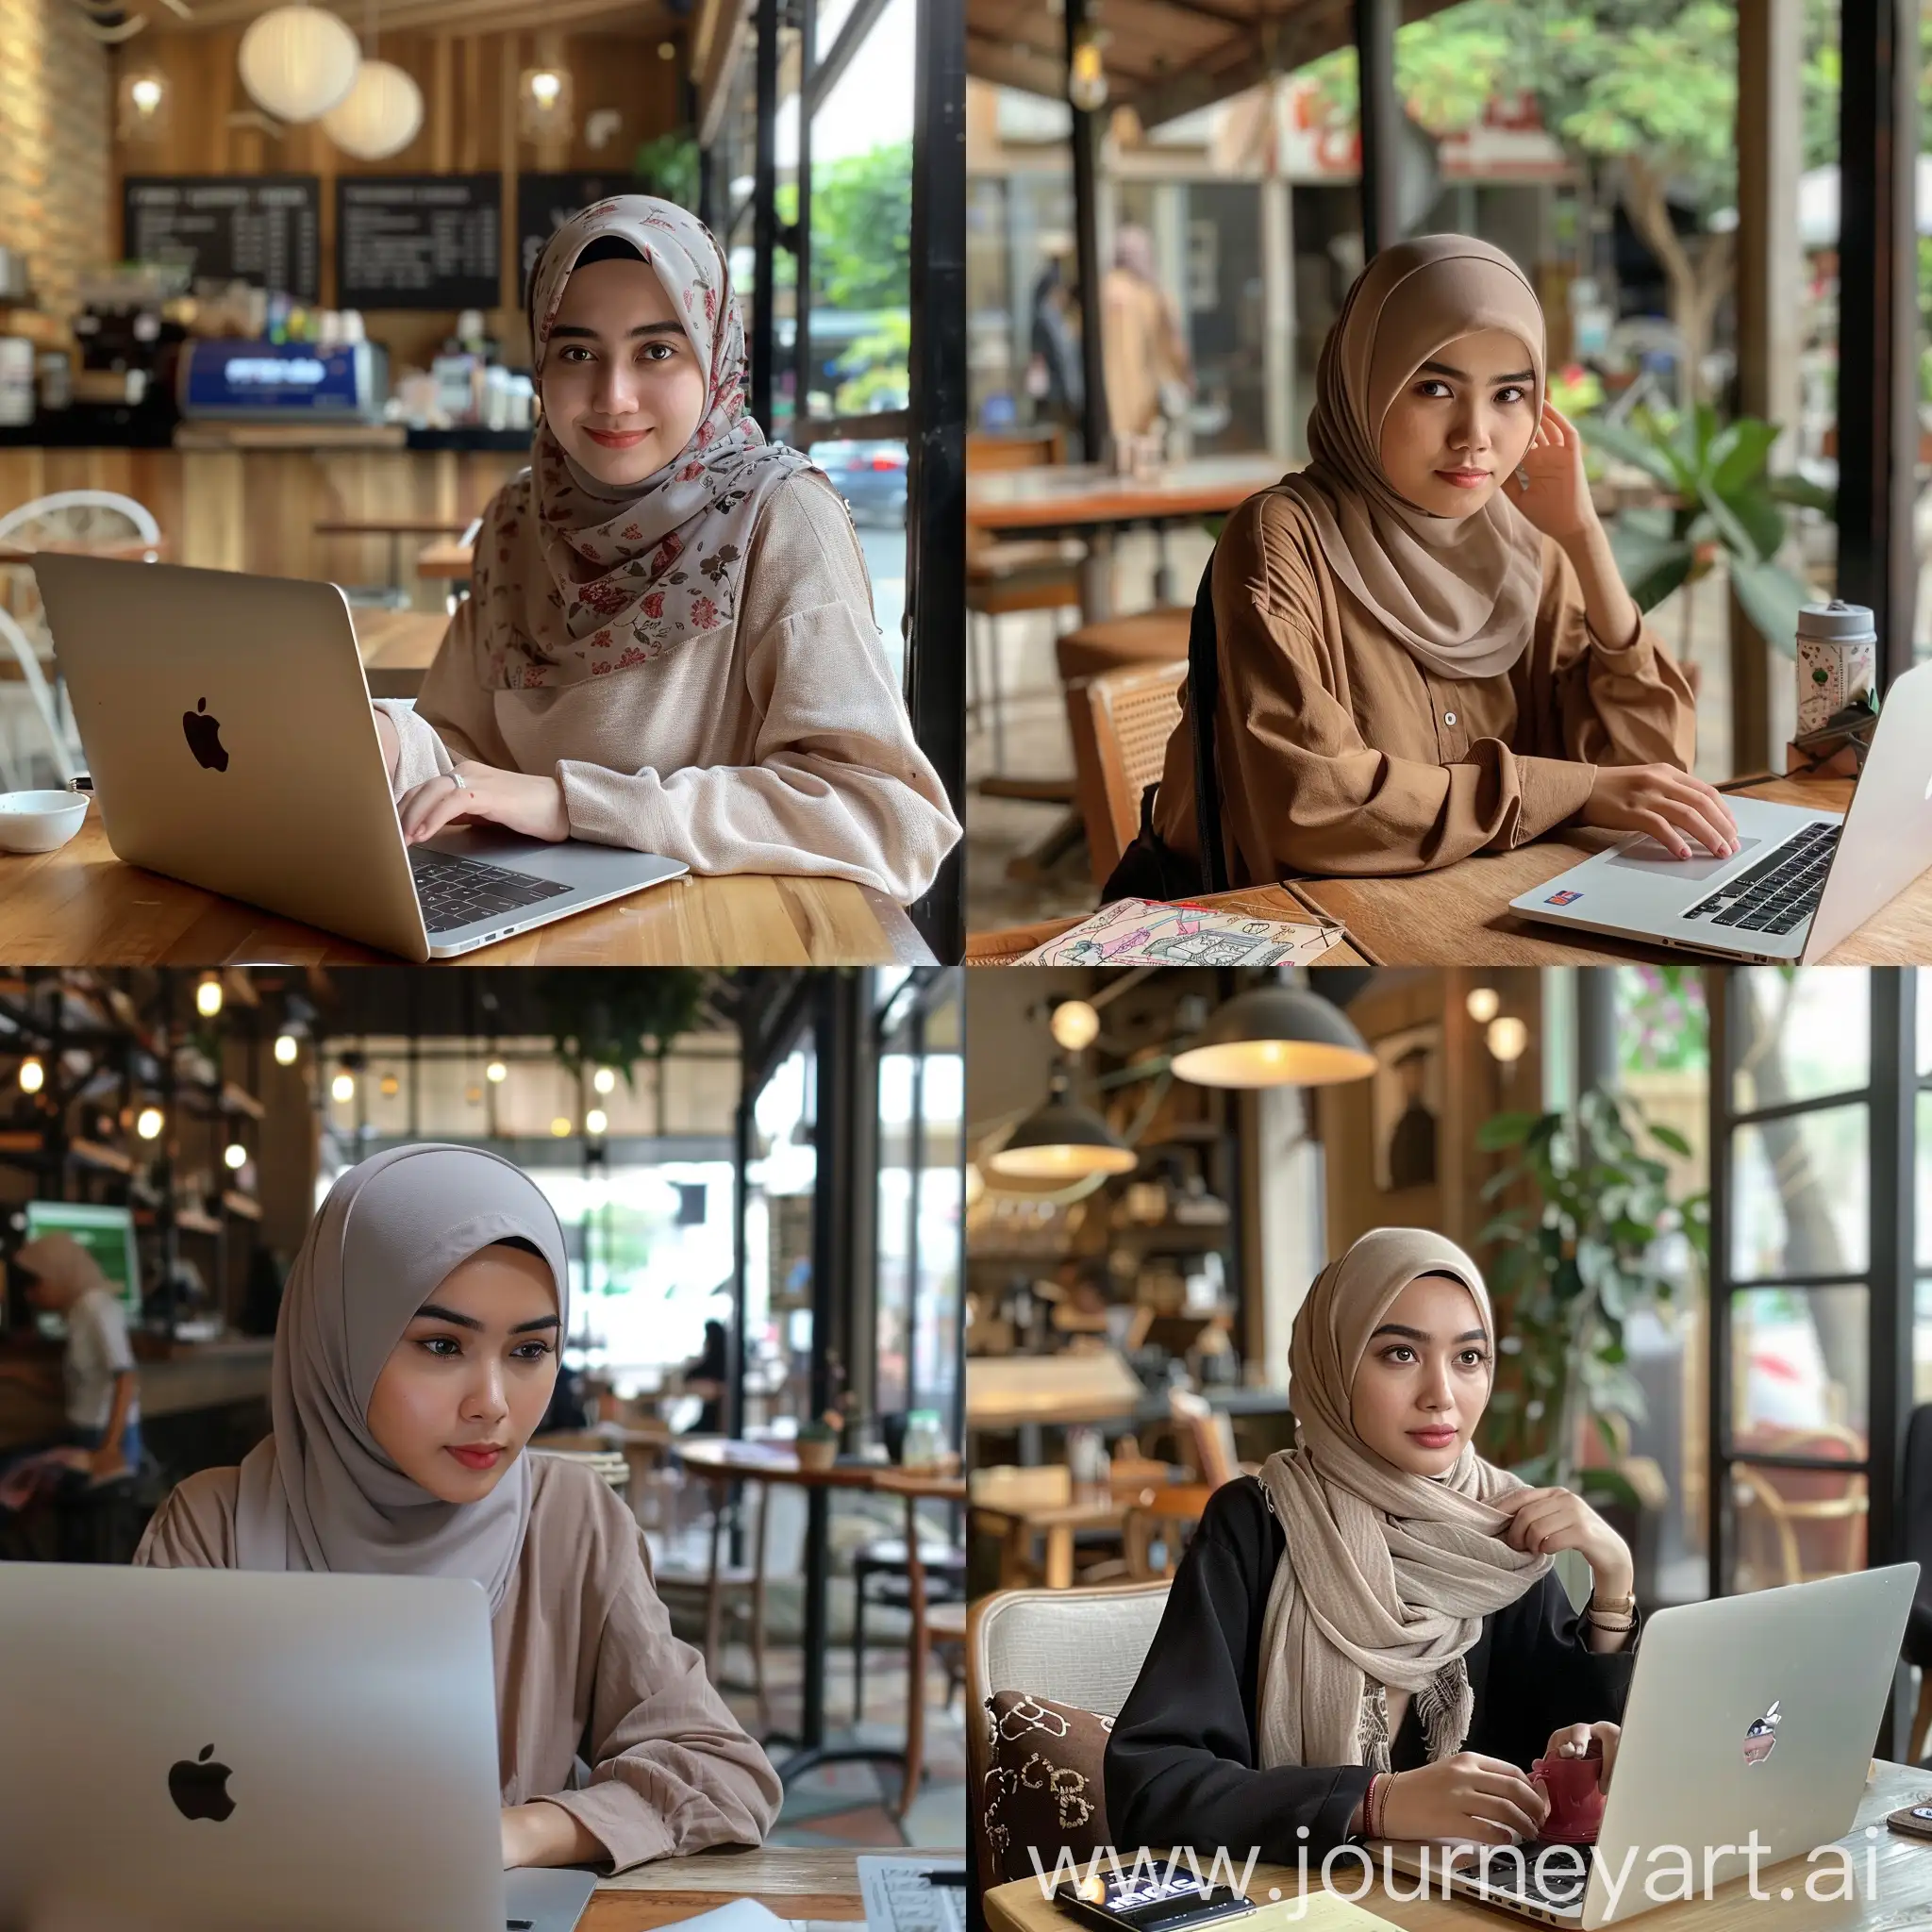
(1576, 1797)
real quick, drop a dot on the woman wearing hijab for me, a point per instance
(669, 642)
(1369, 1639)
(1425, 649)
(414, 1358)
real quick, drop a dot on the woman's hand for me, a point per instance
(1556, 497)
(514, 800)
(1469, 1798)
(1545, 1521)
(1572, 1741)
(1669, 805)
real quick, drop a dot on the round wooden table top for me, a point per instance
(773, 1463)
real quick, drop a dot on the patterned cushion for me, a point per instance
(1045, 1786)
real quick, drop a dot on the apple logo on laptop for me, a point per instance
(1761, 1739)
(200, 1788)
(204, 738)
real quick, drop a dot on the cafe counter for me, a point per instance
(252, 496)
(182, 1380)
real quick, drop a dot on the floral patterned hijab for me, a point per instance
(574, 578)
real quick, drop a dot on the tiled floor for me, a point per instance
(853, 1803)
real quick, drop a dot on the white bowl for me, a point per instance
(40, 820)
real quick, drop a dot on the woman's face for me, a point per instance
(1459, 426)
(622, 387)
(465, 1387)
(1424, 1383)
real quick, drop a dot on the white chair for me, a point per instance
(74, 520)
(1083, 1647)
(16, 772)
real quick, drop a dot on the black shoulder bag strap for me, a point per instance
(1204, 701)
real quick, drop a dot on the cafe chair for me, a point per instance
(1079, 1647)
(927, 1626)
(1915, 1515)
(1120, 722)
(1797, 1524)
(31, 702)
(882, 1576)
(1206, 1436)
(729, 1591)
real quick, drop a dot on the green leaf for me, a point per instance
(1631, 445)
(1668, 1136)
(1762, 518)
(1651, 567)
(1504, 1130)
(1739, 452)
(1598, 1486)
(1771, 598)
(1804, 492)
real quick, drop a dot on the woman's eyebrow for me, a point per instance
(430, 1311)
(1463, 374)
(666, 327)
(1424, 1335)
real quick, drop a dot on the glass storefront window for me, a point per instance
(1800, 1204)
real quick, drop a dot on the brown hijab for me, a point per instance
(1459, 593)
(1385, 1576)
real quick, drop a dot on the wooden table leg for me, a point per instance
(1059, 1557)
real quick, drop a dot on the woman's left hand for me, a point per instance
(1545, 1521)
(1557, 500)
(517, 800)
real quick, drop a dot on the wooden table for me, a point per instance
(448, 561)
(1903, 1893)
(397, 648)
(1089, 500)
(395, 529)
(793, 1884)
(81, 907)
(768, 1462)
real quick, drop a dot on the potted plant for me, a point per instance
(817, 1442)
(1572, 1264)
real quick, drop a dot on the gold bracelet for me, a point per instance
(1624, 1605)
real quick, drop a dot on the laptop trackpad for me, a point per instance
(1646, 855)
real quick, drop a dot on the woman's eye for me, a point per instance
(1432, 389)
(1401, 1355)
(659, 351)
(441, 1346)
(1511, 393)
(531, 1351)
(1474, 1357)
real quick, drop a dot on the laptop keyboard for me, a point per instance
(459, 891)
(1562, 1891)
(1780, 892)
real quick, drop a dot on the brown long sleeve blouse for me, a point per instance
(1338, 752)
(585, 1659)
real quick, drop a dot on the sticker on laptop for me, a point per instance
(1760, 1740)
(1562, 898)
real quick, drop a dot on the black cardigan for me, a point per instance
(1182, 1762)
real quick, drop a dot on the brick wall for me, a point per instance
(56, 146)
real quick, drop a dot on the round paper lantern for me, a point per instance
(298, 61)
(381, 115)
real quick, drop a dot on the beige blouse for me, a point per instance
(1338, 752)
(585, 1657)
(782, 746)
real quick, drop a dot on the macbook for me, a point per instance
(221, 1751)
(228, 730)
(1800, 881)
(1746, 1714)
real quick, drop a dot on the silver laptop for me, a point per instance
(1800, 881)
(1747, 1713)
(216, 1750)
(228, 730)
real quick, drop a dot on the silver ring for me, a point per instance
(461, 783)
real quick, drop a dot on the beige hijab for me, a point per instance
(1460, 593)
(319, 1493)
(1387, 1576)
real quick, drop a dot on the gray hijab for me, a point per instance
(319, 1493)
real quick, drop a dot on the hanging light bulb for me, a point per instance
(496, 1072)
(1074, 1026)
(559, 1129)
(286, 1049)
(1508, 1038)
(381, 116)
(235, 1156)
(33, 1075)
(390, 1085)
(1483, 1003)
(298, 61)
(207, 997)
(1086, 75)
(1275, 1035)
(605, 1080)
(596, 1121)
(342, 1087)
(544, 101)
(148, 1123)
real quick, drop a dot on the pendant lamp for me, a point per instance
(1061, 1141)
(380, 117)
(1275, 1035)
(297, 62)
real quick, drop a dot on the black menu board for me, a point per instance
(265, 229)
(418, 241)
(546, 201)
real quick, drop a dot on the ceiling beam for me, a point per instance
(1276, 47)
(486, 15)
(1008, 63)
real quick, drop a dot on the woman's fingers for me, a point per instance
(1692, 813)
(1511, 1803)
